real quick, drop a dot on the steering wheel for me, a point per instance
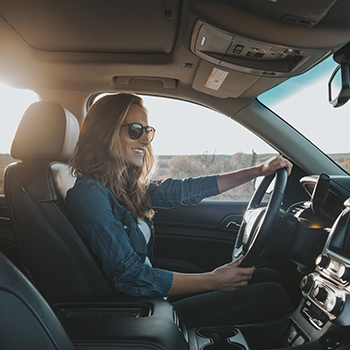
(258, 222)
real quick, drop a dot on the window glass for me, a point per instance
(13, 103)
(192, 140)
(303, 102)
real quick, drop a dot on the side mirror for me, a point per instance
(339, 85)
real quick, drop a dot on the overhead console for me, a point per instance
(248, 56)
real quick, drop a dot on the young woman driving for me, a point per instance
(112, 205)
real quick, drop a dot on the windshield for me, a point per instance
(303, 103)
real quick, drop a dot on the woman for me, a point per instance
(111, 206)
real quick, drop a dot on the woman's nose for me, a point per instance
(144, 138)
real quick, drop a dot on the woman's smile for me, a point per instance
(139, 151)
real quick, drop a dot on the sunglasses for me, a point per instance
(136, 131)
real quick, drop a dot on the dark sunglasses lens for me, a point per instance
(135, 131)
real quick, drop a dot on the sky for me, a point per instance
(307, 108)
(176, 121)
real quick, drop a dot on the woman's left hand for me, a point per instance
(273, 164)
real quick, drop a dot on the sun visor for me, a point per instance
(95, 26)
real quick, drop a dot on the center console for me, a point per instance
(321, 321)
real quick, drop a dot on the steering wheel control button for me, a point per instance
(323, 261)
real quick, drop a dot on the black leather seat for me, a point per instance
(52, 253)
(26, 320)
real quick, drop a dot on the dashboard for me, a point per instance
(326, 289)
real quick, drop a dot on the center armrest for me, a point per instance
(122, 321)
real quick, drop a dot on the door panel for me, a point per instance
(196, 238)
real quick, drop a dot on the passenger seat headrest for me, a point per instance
(47, 131)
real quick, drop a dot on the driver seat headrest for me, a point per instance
(47, 131)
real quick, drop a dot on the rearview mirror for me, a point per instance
(339, 85)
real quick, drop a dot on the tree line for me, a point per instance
(208, 164)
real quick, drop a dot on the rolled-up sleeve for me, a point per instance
(92, 211)
(172, 193)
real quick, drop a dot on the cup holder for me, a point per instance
(220, 339)
(223, 333)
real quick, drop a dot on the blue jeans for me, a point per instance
(263, 299)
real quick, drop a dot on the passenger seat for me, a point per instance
(26, 320)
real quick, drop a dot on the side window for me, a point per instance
(192, 140)
(13, 103)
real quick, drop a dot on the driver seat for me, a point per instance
(53, 255)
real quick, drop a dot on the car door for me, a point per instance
(196, 238)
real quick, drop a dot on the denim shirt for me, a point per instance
(115, 237)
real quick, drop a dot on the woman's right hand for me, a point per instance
(230, 277)
(226, 278)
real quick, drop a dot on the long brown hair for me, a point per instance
(99, 155)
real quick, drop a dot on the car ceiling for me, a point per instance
(70, 49)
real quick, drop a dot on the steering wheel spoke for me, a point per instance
(258, 222)
(237, 252)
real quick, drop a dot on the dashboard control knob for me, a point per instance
(334, 305)
(321, 294)
(344, 273)
(323, 261)
(306, 283)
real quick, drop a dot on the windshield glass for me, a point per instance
(303, 103)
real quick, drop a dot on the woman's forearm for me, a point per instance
(229, 277)
(239, 177)
(191, 283)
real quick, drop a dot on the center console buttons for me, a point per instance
(323, 261)
(320, 294)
